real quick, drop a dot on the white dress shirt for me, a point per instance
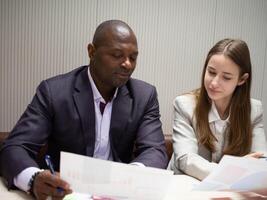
(102, 123)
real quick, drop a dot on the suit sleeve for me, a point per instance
(150, 143)
(259, 143)
(28, 136)
(186, 157)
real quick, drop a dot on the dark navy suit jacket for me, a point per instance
(62, 115)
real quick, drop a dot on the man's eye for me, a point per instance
(133, 58)
(116, 55)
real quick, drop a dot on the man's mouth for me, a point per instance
(124, 75)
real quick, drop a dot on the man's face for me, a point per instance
(114, 61)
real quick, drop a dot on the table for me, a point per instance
(6, 194)
(181, 190)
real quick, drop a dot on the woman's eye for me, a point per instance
(226, 78)
(212, 73)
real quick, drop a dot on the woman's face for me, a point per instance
(221, 78)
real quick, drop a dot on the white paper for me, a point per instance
(181, 186)
(114, 180)
(237, 173)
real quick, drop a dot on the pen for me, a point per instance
(49, 164)
(51, 168)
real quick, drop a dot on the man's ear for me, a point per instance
(243, 79)
(91, 51)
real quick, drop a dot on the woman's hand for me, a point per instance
(255, 155)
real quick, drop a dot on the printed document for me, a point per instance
(236, 173)
(111, 180)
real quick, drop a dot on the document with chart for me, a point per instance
(236, 173)
(113, 180)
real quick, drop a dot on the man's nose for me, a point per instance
(127, 63)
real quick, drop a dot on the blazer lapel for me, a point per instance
(204, 152)
(84, 101)
(121, 111)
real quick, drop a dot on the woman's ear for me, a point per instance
(91, 51)
(243, 79)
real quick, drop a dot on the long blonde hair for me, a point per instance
(239, 132)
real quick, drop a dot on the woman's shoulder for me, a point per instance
(185, 102)
(187, 98)
(255, 102)
(256, 108)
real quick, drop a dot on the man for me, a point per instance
(95, 110)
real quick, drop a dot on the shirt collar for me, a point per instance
(214, 115)
(97, 96)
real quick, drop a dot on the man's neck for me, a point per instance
(106, 92)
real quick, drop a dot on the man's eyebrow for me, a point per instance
(121, 49)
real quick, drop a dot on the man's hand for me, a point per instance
(47, 184)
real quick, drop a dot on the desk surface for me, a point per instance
(182, 191)
(6, 194)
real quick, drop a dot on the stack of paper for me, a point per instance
(237, 173)
(111, 180)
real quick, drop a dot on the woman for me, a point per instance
(220, 117)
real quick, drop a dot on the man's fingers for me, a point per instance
(41, 197)
(54, 180)
(47, 184)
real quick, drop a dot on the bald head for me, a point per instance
(113, 55)
(112, 29)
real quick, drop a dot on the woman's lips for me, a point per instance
(214, 91)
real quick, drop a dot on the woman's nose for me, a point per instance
(215, 81)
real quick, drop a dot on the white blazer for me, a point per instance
(194, 159)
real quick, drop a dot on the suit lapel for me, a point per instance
(84, 101)
(121, 111)
(204, 152)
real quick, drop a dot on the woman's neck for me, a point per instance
(222, 107)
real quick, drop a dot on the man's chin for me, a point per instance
(120, 83)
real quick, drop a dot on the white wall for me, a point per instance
(39, 39)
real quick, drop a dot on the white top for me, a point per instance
(194, 159)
